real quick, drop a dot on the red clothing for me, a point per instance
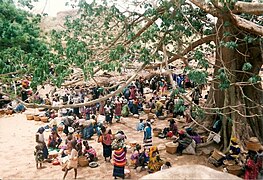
(118, 108)
(91, 151)
(251, 170)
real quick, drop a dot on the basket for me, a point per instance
(171, 147)
(36, 118)
(44, 119)
(29, 117)
(2, 111)
(152, 110)
(151, 116)
(234, 169)
(253, 146)
(217, 155)
(82, 160)
(41, 109)
(147, 110)
(156, 132)
(161, 117)
(9, 112)
(170, 115)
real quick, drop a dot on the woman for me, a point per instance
(147, 138)
(118, 106)
(155, 162)
(119, 156)
(184, 141)
(72, 162)
(89, 152)
(125, 109)
(106, 143)
(54, 139)
(41, 141)
(251, 168)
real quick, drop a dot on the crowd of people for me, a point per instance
(80, 124)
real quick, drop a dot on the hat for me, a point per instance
(70, 129)
(181, 132)
(234, 139)
(41, 130)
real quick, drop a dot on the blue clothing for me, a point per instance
(147, 133)
(88, 132)
(140, 126)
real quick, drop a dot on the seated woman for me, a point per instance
(155, 162)
(88, 130)
(54, 139)
(89, 152)
(184, 141)
(234, 150)
(139, 158)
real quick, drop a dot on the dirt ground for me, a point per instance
(17, 141)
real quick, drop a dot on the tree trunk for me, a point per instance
(242, 105)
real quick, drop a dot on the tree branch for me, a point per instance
(248, 7)
(247, 25)
(205, 6)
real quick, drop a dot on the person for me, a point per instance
(125, 109)
(41, 141)
(155, 162)
(89, 152)
(106, 142)
(54, 139)
(159, 108)
(119, 156)
(260, 162)
(251, 168)
(147, 138)
(140, 125)
(118, 107)
(88, 130)
(196, 95)
(108, 112)
(72, 162)
(234, 150)
(173, 127)
(166, 165)
(184, 141)
(139, 158)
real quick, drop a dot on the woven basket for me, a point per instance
(161, 117)
(29, 117)
(8, 112)
(36, 118)
(2, 111)
(156, 132)
(82, 160)
(171, 147)
(234, 169)
(217, 155)
(44, 119)
(254, 146)
(151, 116)
(147, 110)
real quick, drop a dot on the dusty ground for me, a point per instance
(17, 143)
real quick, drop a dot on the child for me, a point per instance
(167, 165)
(89, 152)
(140, 125)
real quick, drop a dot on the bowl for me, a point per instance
(93, 164)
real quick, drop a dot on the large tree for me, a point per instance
(103, 36)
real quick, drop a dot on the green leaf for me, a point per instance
(246, 66)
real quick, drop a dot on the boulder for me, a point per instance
(190, 172)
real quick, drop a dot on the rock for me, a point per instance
(190, 172)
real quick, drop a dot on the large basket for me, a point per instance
(44, 119)
(82, 160)
(8, 112)
(156, 132)
(29, 117)
(253, 146)
(161, 117)
(147, 110)
(36, 118)
(2, 111)
(217, 155)
(234, 169)
(171, 147)
(150, 116)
